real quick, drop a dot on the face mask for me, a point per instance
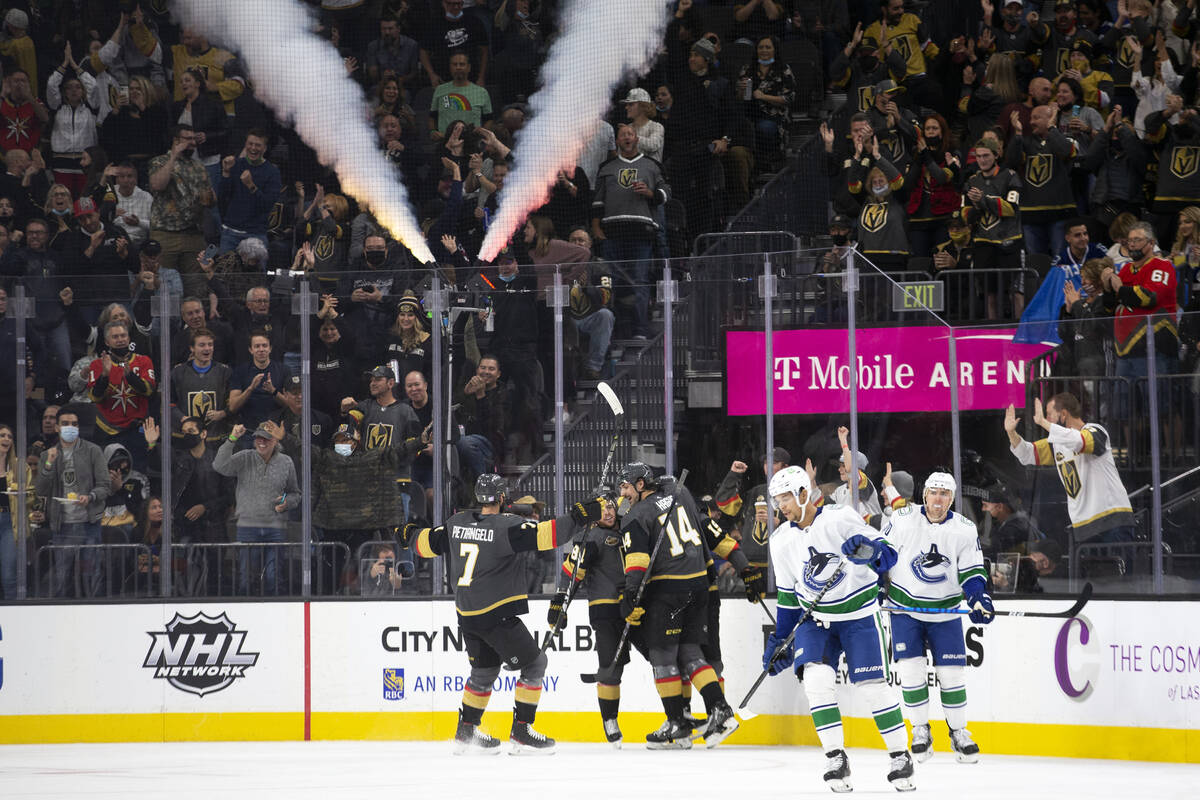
(933, 141)
(61, 212)
(68, 433)
(522, 15)
(661, 109)
(1013, 18)
(868, 63)
(766, 62)
(840, 239)
(878, 191)
(190, 440)
(454, 16)
(960, 237)
(1141, 28)
(119, 352)
(375, 257)
(509, 278)
(1137, 254)
(343, 448)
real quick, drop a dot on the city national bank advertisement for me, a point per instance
(1122, 680)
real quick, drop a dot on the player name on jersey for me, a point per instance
(472, 534)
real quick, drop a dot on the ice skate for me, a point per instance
(965, 749)
(837, 771)
(922, 742)
(673, 735)
(528, 742)
(721, 723)
(612, 732)
(901, 773)
(469, 740)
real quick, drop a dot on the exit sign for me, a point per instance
(918, 296)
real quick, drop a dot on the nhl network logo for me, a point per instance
(199, 654)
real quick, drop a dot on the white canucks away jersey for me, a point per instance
(805, 558)
(934, 560)
(1096, 498)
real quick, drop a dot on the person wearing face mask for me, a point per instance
(120, 383)
(771, 87)
(881, 221)
(955, 251)
(129, 491)
(1144, 287)
(1084, 325)
(358, 498)
(333, 357)
(861, 65)
(74, 478)
(933, 179)
(200, 501)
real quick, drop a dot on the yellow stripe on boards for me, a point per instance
(1001, 738)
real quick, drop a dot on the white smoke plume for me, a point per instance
(600, 43)
(302, 78)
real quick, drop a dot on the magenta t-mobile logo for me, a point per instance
(1075, 638)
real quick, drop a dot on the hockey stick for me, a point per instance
(770, 616)
(742, 712)
(1073, 611)
(572, 587)
(618, 411)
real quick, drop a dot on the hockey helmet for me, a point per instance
(638, 471)
(790, 480)
(490, 488)
(941, 479)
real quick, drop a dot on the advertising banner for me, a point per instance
(898, 370)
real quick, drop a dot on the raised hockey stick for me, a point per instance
(618, 411)
(742, 712)
(1073, 611)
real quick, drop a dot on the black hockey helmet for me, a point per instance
(638, 471)
(490, 488)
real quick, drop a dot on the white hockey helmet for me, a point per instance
(941, 480)
(791, 480)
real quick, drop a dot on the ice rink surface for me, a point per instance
(323, 770)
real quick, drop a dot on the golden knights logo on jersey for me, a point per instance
(931, 567)
(324, 247)
(627, 177)
(864, 97)
(379, 434)
(200, 403)
(874, 217)
(905, 45)
(893, 147)
(1063, 59)
(1069, 474)
(1184, 160)
(1125, 55)
(1039, 168)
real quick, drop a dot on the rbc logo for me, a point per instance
(393, 683)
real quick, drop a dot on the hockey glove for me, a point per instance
(756, 583)
(875, 553)
(408, 532)
(775, 664)
(979, 601)
(587, 511)
(631, 613)
(555, 617)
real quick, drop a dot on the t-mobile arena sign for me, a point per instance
(899, 369)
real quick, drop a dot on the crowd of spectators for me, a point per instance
(140, 162)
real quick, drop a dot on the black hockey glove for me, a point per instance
(587, 511)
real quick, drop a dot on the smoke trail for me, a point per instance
(301, 77)
(600, 43)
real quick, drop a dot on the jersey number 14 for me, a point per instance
(679, 531)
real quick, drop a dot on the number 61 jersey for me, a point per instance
(489, 582)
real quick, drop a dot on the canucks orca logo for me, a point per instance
(816, 567)
(930, 567)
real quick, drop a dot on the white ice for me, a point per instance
(324, 770)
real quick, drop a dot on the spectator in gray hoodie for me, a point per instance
(266, 491)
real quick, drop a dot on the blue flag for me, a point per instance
(1039, 323)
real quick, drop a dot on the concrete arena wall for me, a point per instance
(1122, 681)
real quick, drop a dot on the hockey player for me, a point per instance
(674, 607)
(807, 552)
(489, 596)
(595, 560)
(939, 563)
